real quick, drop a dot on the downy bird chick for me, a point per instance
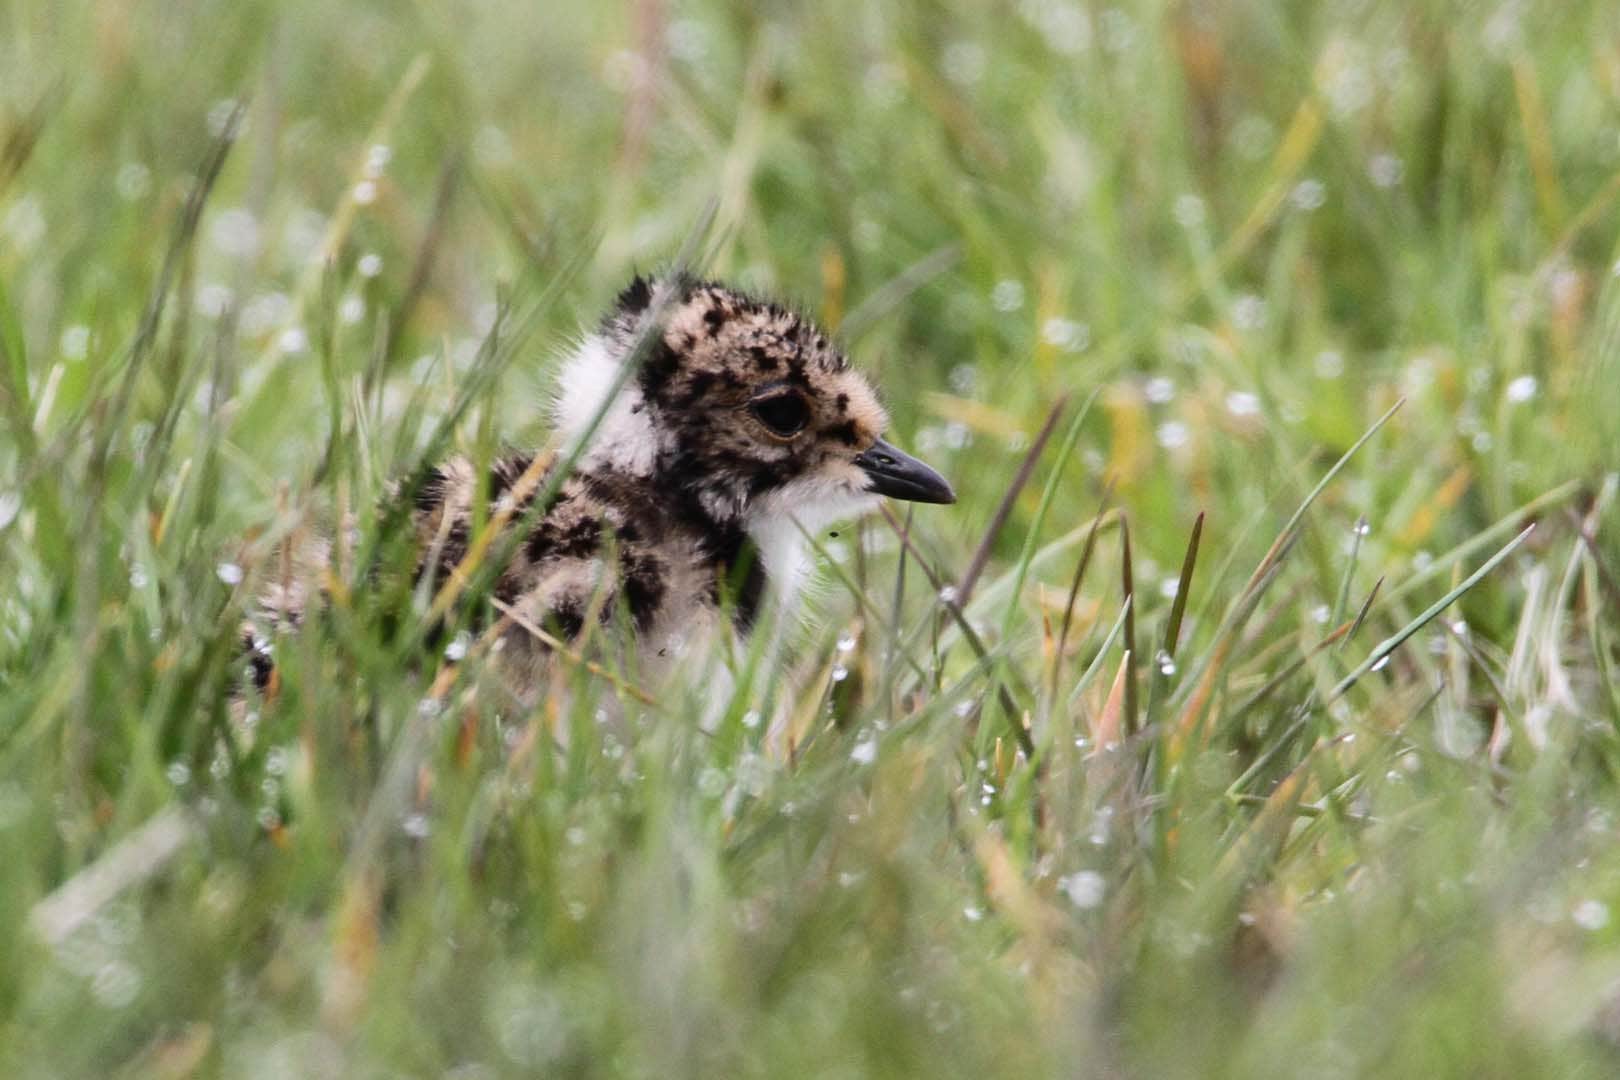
(743, 427)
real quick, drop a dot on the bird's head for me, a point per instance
(745, 405)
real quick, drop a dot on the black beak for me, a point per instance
(898, 475)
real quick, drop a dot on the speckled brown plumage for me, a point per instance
(743, 425)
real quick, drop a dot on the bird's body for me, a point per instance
(742, 427)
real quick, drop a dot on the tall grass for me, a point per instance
(1236, 721)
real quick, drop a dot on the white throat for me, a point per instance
(779, 525)
(625, 440)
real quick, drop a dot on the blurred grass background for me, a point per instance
(250, 255)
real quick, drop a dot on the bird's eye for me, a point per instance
(784, 415)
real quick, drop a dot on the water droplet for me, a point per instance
(132, 180)
(377, 159)
(74, 343)
(457, 649)
(865, 752)
(575, 836)
(235, 232)
(364, 193)
(1160, 390)
(964, 708)
(1166, 663)
(1188, 211)
(1066, 334)
(972, 914)
(1172, 434)
(1385, 170)
(1590, 915)
(1521, 389)
(1084, 888)
(293, 340)
(116, 984)
(1329, 364)
(840, 673)
(178, 773)
(1248, 313)
(963, 378)
(947, 595)
(229, 573)
(416, 826)
(351, 309)
(846, 642)
(1007, 296)
(1242, 403)
(1308, 195)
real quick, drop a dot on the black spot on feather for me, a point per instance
(844, 432)
(636, 297)
(643, 589)
(429, 494)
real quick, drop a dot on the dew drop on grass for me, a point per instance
(1590, 915)
(457, 649)
(840, 673)
(1160, 390)
(1084, 888)
(293, 340)
(846, 642)
(132, 180)
(947, 595)
(1521, 389)
(1242, 403)
(865, 752)
(1172, 434)
(416, 826)
(972, 914)
(116, 984)
(351, 309)
(1166, 663)
(229, 573)
(1308, 195)
(369, 265)
(178, 773)
(1007, 296)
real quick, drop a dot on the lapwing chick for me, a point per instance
(741, 428)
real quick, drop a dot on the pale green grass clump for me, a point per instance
(1250, 730)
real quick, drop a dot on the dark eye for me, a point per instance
(784, 415)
